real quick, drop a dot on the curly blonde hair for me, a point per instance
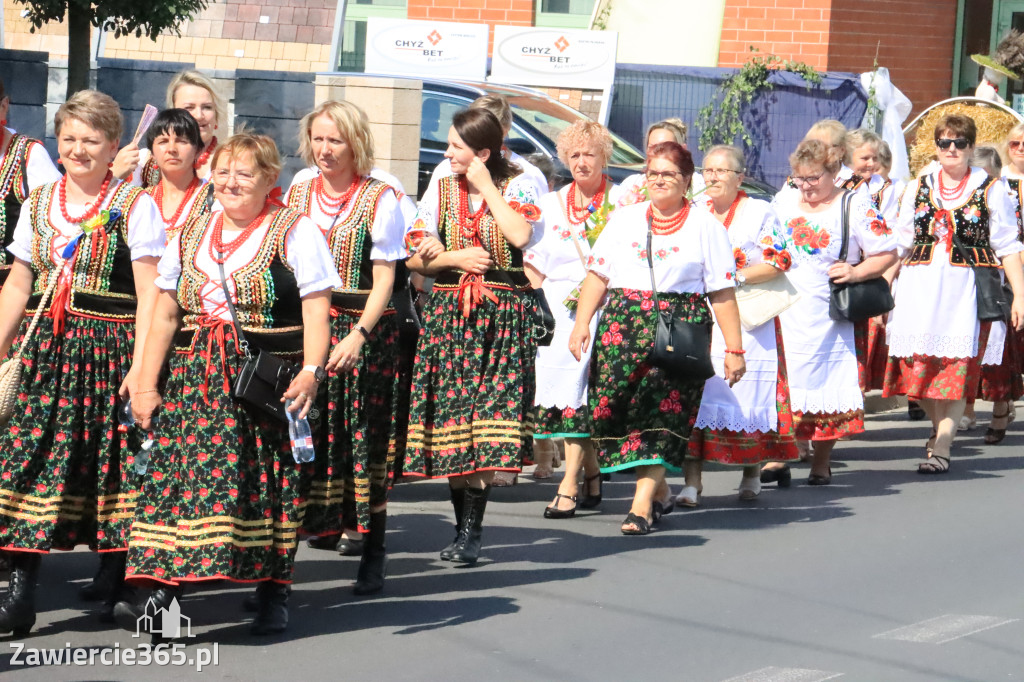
(352, 124)
(814, 152)
(581, 135)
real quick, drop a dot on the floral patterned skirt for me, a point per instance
(927, 376)
(744, 448)
(1003, 381)
(354, 465)
(872, 352)
(828, 425)
(61, 478)
(558, 422)
(222, 498)
(473, 384)
(640, 415)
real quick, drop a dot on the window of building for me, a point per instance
(352, 55)
(564, 13)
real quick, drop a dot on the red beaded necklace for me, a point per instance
(332, 205)
(950, 194)
(158, 197)
(577, 216)
(731, 213)
(219, 251)
(469, 224)
(94, 207)
(204, 156)
(664, 226)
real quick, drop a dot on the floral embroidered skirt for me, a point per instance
(828, 425)
(937, 378)
(61, 479)
(558, 422)
(1003, 381)
(640, 415)
(745, 448)
(872, 352)
(473, 385)
(222, 498)
(354, 465)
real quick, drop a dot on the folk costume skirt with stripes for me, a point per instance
(473, 386)
(354, 467)
(223, 498)
(61, 478)
(640, 415)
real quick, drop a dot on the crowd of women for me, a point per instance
(154, 298)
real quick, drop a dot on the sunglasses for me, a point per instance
(1016, 144)
(960, 142)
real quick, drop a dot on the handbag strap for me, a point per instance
(243, 343)
(50, 286)
(845, 205)
(650, 262)
(575, 237)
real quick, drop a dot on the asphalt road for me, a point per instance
(884, 575)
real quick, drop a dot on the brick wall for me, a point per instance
(914, 39)
(792, 29)
(510, 12)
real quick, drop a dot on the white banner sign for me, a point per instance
(555, 57)
(438, 49)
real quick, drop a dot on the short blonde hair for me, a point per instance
(95, 109)
(260, 148)
(673, 125)
(855, 139)
(581, 134)
(497, 105)
(1015, 132)
(814, 152)
(352, 124)
(199, 80)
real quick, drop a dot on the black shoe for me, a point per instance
(467, 547)
(590, 501)
(272, 616)
(350, 547)
(783, 476)
(373, 566)
(553, 512)
(322, 541)
(818, 479)
(915, 412)
(118, 590)
(18, 610)
(103, 583)
(458, 504)
(129, 614)
(251, 603)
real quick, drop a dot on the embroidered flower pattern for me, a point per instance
(806, 238)
(880, 227)
(658, 255)
(740, 257)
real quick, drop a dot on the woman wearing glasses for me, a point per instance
(824, 386)
(749, 423)
(641, 417)
(936, 343)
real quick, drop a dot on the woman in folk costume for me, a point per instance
(937, 345)
(181, 196)
(94, 242)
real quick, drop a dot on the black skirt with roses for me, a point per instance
(473, 386)
(640, 415)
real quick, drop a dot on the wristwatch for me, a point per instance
(319, 373)
(741, 279)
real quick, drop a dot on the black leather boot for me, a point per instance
(118, 591)
(272, 616)
(458, 504)
(467, 546)
(102, 585)
(128, 612)
(251, 603)
(18, 610)
(373, 566)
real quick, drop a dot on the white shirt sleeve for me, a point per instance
(426, 213)
(169, 268)
(21, 240)
(39, 167)
(719, 262)
(388, 229)
(443, 170)
(868, 230)
(903, 229)
(146, 235)
(310, 259)
(1002, 220)
(537, 252)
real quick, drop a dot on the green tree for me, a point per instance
(141, 17)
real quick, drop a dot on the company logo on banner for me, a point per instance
(438, 49)
(556, 57)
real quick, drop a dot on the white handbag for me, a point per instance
(761, 303)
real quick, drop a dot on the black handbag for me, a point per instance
(544, 319)
(857, 301)
(681, 348)
(264, 377)
(991, 293)
(405, 311)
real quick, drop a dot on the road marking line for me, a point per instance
(944, 629)
(773, 674)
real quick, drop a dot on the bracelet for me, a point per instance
(735, 352)
(359, 328)
(148, 390)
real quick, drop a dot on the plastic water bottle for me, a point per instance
(142, 457)
(125, 421)
(301, 436)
